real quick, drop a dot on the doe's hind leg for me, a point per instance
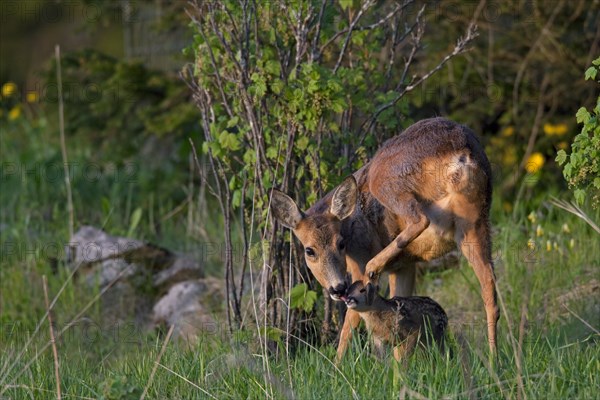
(475, 245)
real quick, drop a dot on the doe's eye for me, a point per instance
(310, 251)
(342, 245)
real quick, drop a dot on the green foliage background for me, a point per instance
(519, 86)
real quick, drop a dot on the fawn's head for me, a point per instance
(359, 297)
(320, 234)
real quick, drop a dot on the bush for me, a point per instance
(582, 166)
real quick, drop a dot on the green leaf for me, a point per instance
(561, 157)
(272, 333)
(277, 86)
(345, 4)
(232, 183)
(260, 85)
(273, 67)
(583, 115)
(134, 221)
(236, 200)
(302, 143)
(590, 73)
(302, 298)
(338, 105)
(229, 141)
(579, 196)
(233, 122)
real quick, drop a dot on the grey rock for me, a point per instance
(149, 285)
(90, 245)
(182, 268)
(185, 307)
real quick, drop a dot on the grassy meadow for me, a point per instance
(547, 265)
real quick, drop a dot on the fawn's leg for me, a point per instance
(406, 348)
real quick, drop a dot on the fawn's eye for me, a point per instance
(363, 290)
(310, 251)
(341, 245)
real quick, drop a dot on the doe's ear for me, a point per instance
(285, 209)
(344, 198)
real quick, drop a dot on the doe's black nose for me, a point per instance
(339, 290)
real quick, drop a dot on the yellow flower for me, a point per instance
(565, 228)
(531, 244)
(532, 217)
(571, 243)
(548, 245)
(508, 131)
(539, 231)
(32, 97)
(560, 129)
(8, 89)
(555, 130)
(535, 162)
(14, 113)
(555, 245)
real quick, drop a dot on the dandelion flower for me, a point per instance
(539, 231)
(32, 97)
(535, 162)
(8, 89)
(555, 245)
(548, 245)
(508, 131)
(14, 113)
(566, 229)
(531, 244)
(532, 217)
(560, 129)
(571, 243)
(555, 130)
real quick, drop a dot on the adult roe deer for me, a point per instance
(424, 192)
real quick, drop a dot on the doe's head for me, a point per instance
(320, 234)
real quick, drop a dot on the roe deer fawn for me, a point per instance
(424, 192)
(402, 322)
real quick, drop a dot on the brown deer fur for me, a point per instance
(425, 191)
(401, 322)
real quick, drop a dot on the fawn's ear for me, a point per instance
(344, 198)
(285, 210)
(371, 292)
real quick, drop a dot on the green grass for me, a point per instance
(548, 301)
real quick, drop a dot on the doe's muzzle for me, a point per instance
(338, 291)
